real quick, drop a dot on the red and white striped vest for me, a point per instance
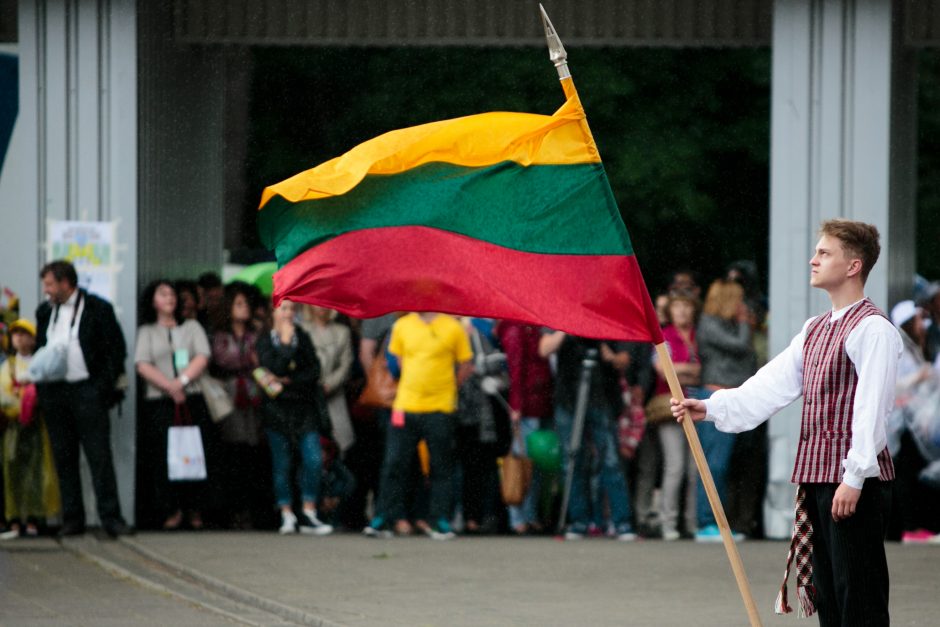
(829, 383)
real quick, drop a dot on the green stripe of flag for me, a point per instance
(536, 209)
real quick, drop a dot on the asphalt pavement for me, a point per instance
(232, 578)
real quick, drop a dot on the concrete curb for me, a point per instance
(233, 592)
(122, 573)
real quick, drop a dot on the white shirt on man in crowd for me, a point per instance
(62, 331)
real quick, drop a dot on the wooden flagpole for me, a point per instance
(669, 370)
(559, 58)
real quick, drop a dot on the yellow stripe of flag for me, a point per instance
(477, 140)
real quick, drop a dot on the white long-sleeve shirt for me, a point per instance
(62, 330)
(874, 347)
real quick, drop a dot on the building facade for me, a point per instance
(128, 112)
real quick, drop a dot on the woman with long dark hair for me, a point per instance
(233, 359)
(170, 357)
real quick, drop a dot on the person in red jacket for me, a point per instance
(530, 400)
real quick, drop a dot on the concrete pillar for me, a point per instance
(181, 148)
(839, 104)
(73, 156)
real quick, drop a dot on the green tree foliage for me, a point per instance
(684, 133)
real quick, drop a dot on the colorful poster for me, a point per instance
(90, 246)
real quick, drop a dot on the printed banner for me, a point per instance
(90, 246)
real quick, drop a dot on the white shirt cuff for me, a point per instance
(853, 480)
(709, 416)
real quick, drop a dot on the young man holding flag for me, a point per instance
(844, 364)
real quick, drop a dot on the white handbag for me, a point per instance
(185, 456)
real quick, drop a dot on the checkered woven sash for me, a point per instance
(801, 548)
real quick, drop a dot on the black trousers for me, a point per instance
(850, 570)
(158, 497)
(479, 487)
(76, 415)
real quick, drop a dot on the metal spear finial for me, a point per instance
(556, 52)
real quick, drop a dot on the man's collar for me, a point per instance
(838, 313)
(71, 300)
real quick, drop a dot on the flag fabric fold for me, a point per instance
(502, 215)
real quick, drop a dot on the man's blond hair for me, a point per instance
(859, 241)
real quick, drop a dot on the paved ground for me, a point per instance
(265, 579)
(43, 584)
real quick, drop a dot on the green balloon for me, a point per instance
(544, 449)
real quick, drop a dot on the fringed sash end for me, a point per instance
(780, 605)
(807, 605)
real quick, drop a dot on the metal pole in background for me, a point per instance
(577, 429)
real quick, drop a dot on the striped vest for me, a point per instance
(829, 383)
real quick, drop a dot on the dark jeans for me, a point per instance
(717, 446)
(76, 414)
(309, 472)
(364, 460)
(850, 571)
(747, 482)
(437, 429)
(599, 427)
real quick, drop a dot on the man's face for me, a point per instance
(189, 305)
(830, 266)
(682, 282)
(57, 291)
(214, 297)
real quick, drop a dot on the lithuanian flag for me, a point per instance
(501, 215)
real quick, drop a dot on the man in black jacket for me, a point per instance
(76, 409)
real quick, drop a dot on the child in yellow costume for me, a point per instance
(31, 486)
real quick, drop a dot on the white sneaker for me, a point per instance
(288, 523)
(670, 535)
(310, 524)
(441, 531)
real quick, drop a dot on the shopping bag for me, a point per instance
(185, 459)
(659, 409)
(517, 473)
(381, 386)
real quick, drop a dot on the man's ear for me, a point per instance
(855, 268)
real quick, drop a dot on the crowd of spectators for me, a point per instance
(914, 426)
(399, 424)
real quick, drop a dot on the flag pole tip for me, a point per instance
(556, 51)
